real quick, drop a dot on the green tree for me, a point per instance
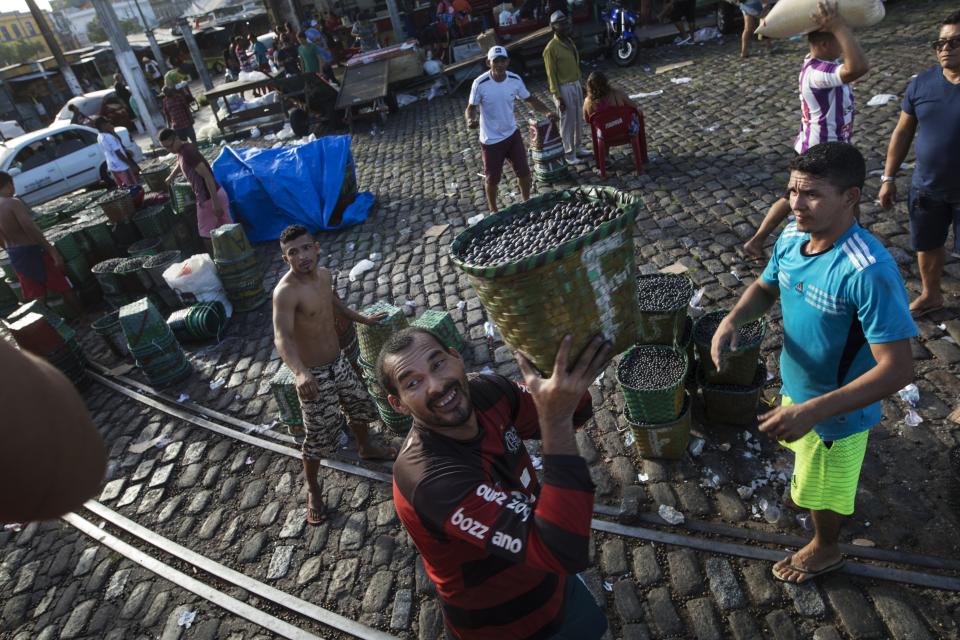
(21, 51)
(97, 33)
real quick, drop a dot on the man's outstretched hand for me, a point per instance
(558, 396)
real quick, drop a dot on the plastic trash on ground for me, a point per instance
(360, 268)
(186, 619)
(910, 394)
(670, 515)
(881, 99)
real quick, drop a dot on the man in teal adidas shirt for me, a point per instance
(846, 343)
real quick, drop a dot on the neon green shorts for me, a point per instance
(826, 478)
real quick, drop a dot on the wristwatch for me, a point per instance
(887, 179)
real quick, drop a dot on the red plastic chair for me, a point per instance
(618, 126)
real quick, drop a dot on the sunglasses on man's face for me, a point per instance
(940, 45)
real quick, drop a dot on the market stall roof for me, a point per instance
(33, 76)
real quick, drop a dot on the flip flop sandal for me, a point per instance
(808, 575)
(320, 516)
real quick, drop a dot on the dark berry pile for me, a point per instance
(536, 231)
(748, 335)
(650, 367)
(662, 292)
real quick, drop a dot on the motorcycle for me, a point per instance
(619, 36)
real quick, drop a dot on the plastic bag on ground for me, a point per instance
(360, 268)
(197, 275)
(788, 18)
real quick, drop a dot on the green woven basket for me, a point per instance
(100, 238)
(247, 304)
(109, 329)
(441, 325)
(154, 221)
(71, 245)
(133, 279)
(244, 264)
(283, 386)
(123, 234)
(663, 326)
(181, 196)
(652, 405)
(105, 274)
(143, 325)
(156, 265)
(78, 270)
(662, 440)
(201, 321)
(584, 287)
(397, 422)
(372, 338)
(230, 242)
(144, 248)
(156, 177)
(54, 319)
(734, 404)
(739, 366)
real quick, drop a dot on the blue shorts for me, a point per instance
(751, 8)
(930, 220)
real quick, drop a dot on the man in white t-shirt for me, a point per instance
(121, 166)
(491, 108)
(826, 101)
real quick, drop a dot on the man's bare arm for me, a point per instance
(347, 312)
(284, 308)
(893, 371)
(52, 458)
(30, 228)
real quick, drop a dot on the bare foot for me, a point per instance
(924, 304)
(316, 511)
(808, 563)
(753, 248)
(377, 452)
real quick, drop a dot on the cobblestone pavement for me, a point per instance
(719, 147)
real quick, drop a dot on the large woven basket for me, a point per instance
(155, 221)
(584, 287)
(230, 243)
(373, 337)
(156, 178)
(734, 404)
(144, 327)
(133, 279)
(653, 405)
(109, 329)
(739, 366)
(347, 338)
(441, 325)
(156, 265)
(109, 281)
(664, 326)
(117, 205)
(664, 440)
(144, 248)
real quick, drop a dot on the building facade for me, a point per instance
(19, 26)
(77, 19)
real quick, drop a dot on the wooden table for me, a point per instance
(238, 119)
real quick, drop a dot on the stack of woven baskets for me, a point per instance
(546, 147)
(658, 414)
(441, 325)
(154, 266)
(152, 344)
(732, 394)
(238, 268)
(110, 331)
(372, 338)
(42, 332)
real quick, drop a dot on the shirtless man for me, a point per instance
(304, 304)
(38, 264)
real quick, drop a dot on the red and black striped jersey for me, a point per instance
(498, 546)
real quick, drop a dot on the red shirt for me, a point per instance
(498, 546)
(176, 108)
(189, 158)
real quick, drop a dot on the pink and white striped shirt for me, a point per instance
(826, 104)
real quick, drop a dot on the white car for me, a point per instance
(51, 162)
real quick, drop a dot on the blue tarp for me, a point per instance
(270, 189)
